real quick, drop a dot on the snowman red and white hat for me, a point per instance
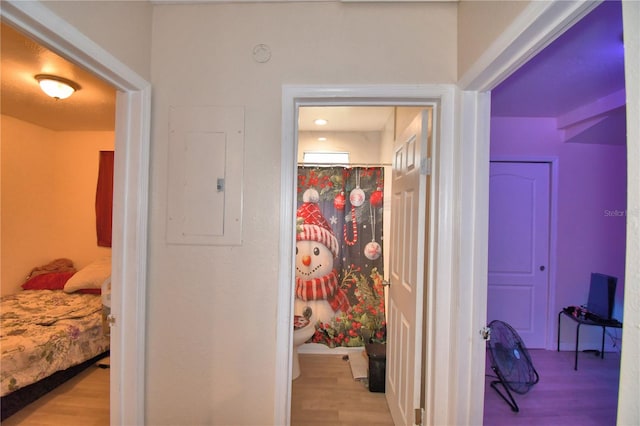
(312, 225)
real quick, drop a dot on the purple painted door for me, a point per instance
(518, 283)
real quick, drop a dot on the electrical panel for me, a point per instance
(206, 158)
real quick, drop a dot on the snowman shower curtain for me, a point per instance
(340, 211)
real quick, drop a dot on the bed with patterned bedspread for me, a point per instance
(46, 331)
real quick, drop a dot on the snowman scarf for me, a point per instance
(323, 288)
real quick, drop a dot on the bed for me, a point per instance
(45, 336)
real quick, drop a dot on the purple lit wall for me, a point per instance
(590, 202)
(568, 103)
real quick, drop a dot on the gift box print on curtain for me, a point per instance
(339, 263)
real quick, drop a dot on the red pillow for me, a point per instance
(50, 281)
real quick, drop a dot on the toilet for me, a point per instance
(303, 329)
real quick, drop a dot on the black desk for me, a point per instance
(584, 321)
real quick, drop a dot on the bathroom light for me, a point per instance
(56, 87)
(320, 122)
(322, 139)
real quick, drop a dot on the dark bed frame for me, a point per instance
(15, 401)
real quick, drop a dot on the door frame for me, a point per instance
(462, 396)
(130, 196)
(537, 26)
(550, 342)
(442, 226)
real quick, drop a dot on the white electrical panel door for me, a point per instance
(206, 148)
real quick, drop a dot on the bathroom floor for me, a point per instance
(326, 394)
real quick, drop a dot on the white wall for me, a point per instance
(480, 23)
(363, 147)
(212, 310)
(121, 27)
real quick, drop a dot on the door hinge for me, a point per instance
(111, 320)
(485, 332)
(419, 415)
(425, 166)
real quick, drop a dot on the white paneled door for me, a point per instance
(519, 220)
(407, 266)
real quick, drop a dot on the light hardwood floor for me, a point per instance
(563, 396)
(81, 401)
(326, 394)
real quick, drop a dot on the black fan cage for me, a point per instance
(511, 362)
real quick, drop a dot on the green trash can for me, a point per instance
(377, 354)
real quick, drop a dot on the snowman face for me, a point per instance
(313, 259)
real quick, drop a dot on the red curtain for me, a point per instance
(104, 199)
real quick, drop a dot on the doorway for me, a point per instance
(364, 136)
(133, 112)
(293, 98)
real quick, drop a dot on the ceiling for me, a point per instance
(578, 80)
(90, 108)
(582, 66)
(347, 118)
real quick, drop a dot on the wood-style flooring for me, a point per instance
(563, 396)
(326, 394)
(80, 401)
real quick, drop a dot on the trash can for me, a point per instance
(377, 353)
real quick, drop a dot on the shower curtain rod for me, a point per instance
(345, 165)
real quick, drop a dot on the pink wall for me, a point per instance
(590, 202)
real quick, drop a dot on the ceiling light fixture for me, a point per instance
(320, 122)
(322, 139)
(56, 87)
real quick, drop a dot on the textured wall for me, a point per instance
(217, 305)
(48, 197)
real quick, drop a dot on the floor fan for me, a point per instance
(511, 363)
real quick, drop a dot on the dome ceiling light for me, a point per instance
(56, 87)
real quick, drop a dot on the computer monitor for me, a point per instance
(602, 292)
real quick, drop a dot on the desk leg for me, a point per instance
(559, 315)
(575, 367)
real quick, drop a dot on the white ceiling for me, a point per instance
(346, 118)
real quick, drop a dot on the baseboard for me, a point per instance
(320, 349)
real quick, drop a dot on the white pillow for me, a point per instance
(91, 276)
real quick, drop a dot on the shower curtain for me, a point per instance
(351, 200)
